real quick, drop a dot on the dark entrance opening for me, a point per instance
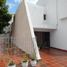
(43, 39)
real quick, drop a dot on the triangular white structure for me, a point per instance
(24, 33)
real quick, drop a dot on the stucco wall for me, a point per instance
(36, 13)
(24, 33)
(22, 30)
(59, 37)
(51, 7)
(51, 13)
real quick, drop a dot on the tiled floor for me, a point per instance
(50, 58)
(53, 57)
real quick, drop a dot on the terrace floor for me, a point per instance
(53, 57)
(50, 58)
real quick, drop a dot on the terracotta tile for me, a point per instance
(50, 58)
(54, 58)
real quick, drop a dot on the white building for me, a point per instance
(51, 32)
(56, 16)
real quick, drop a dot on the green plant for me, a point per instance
(24, 61)
(25, 57)
(33, 57)
(11, 63)
(40, 45)
(5, 17)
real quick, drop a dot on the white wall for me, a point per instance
(36, 13)
(50, 8)
(42, 2)
(62, 5)
(59, 37)
(51, 13)
(22, 32)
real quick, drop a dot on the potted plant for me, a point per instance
(11, 64)
(33, 60)
(25, 60)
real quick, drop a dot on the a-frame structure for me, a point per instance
(23, 31)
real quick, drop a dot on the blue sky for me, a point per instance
(13, 5)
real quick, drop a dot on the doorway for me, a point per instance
(43, 39)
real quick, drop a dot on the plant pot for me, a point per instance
(24, 64)
(33, 62)
(12, 66)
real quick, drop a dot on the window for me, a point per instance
(44, 16)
